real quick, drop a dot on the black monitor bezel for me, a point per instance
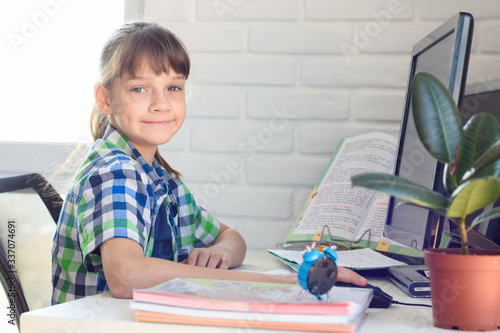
(462, 26)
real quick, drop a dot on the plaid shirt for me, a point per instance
(116, 193)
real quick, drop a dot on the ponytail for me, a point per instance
(172, 172)
(98, 123)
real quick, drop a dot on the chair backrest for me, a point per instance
(26, 231)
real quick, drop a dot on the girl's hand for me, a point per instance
(211, 257)
(349, 276)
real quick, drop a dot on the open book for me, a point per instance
(351, 214)
(246, 304)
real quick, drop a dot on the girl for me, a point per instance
(128, 221)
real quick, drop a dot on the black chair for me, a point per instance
(33, 185)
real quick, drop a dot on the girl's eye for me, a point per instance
(138, 89)
(174, 88)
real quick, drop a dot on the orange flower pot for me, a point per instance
(465, 289)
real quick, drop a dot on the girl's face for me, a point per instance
(148, 109)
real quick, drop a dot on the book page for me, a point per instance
(375, 221)
(376, 214)
(336, 203)
(355, 259)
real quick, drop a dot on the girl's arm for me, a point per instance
(126, 268)
(229, 250)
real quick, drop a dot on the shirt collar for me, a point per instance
(155, 173)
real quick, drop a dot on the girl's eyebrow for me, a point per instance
(179, 77)
(130, 78)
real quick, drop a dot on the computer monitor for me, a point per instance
(444, 53)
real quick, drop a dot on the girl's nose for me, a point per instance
(160, 102)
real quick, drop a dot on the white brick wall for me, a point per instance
(276, 83)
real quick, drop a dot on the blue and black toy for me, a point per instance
(318, 272)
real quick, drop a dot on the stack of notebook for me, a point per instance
(245, 304)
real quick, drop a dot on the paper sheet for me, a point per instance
(355, 259)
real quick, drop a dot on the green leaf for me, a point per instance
(439, 211)
(447, 182)
(488, 159)
(473, 195)
(486, 216)
(481, 132)
(491, 170)
(401, 188)
(437, 118)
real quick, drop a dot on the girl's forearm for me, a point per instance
(232, 240)
(137, 272)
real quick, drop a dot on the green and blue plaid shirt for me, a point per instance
(116, 193)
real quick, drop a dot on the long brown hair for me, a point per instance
(129, 48)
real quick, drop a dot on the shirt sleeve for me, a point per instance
(114, 203)
(197, 227)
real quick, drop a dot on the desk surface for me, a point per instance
(103, 313)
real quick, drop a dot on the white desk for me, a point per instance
(103, 313)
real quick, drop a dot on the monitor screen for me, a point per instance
(444, 53)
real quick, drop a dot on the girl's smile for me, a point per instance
(157, 123)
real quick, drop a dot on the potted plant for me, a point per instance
(471, 156)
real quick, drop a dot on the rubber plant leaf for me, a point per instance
(402, 189)
(440, 211)
(481, 132)
(486, 161)
(486, 216)
(473, 195)
(437, 118)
